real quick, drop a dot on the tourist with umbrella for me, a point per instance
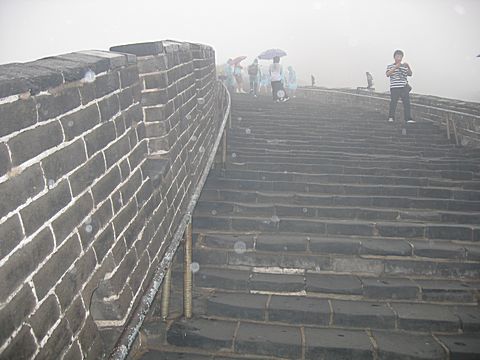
(238, 72)
(276, 73)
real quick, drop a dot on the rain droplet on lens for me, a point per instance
(51, 183)
(240, 247)
(248, 131)
(239, 118)
(194, 138)
(234, 155)
(201, 101)
(202, 149)
(188, 117)
(194, 267)
(88, 228)
(214, 212)
(88, 220)
(275, 218)
(281, 93)
(89, 76)
(305, 210)
(70, 123)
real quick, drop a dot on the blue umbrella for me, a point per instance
(271, 53)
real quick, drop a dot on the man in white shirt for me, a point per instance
(276, 77)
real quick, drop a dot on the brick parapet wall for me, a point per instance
(90, 189)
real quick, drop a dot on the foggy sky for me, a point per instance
(335, 40)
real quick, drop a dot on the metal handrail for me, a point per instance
(130, 332)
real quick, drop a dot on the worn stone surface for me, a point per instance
(269, 340)
(393, 346)
(337, 344)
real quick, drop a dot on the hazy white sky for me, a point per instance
(336, 40)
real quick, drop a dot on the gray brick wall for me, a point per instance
(99, 154)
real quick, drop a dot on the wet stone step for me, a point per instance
(337, 344)
(336, 227)
(407, 346)
(309, 199)
(299, 310)
(270, 340)
(201, 333)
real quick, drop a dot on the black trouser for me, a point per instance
(276, 87)
(395, 94)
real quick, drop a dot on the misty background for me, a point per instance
(335, 40)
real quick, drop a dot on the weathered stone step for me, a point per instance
(420, 150)
(229, 337)
(334, 139)
(379, 265)
(353, 245)
(344, 136)
(306, 310)
(337, 212)
(309, 199)
(344, 189)
(332, 151)
(327, 178)
(332, 169)
(276, 147)
(319, 227)
(393, 163)
(340, 286)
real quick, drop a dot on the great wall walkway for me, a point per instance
(330, 235)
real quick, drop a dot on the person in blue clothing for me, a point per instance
(292, 81)
(254, 75)
(230, 79)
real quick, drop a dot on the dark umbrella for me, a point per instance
(271, 53)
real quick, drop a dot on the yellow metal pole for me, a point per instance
(187, 273)
(448, 126)
(166, 294)
(224, 148)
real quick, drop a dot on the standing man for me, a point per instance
(399, 87)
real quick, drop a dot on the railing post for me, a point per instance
(454, 128)
(187, 273)
(166, 294)
(224, 148)
(448, 126)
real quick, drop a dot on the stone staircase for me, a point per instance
(330, 234)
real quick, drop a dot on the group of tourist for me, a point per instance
(261, 80)
(279, 81)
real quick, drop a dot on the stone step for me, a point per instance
(346, 245)
(332, 169)
(329, 285)
(380, 265)
(344, 189)
(313, 159)
(343, 179)
(253, 136)
(230, 338)
(309, 199)
(425, 151)
(335, 212)
(359, 314)
(334, 227)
